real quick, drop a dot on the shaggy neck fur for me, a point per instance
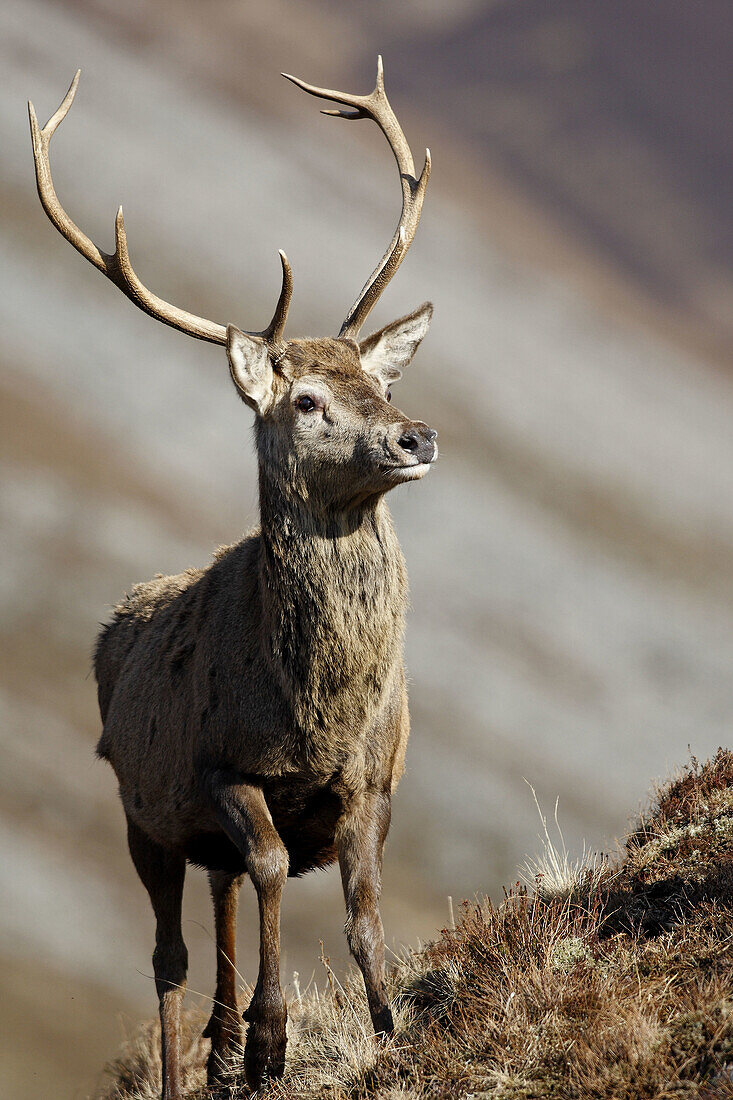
(334, 595)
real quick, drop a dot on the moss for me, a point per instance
(703, 1037)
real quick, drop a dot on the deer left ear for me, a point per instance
(250, 368)
(386, 353)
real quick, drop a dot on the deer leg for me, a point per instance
(225, 1026)
(360, 837)
(242, 811)
(162, 873)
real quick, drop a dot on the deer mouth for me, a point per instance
(410, 472)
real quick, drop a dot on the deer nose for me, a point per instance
(418, 440)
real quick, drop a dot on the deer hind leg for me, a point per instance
(243, 814)
(225, 1026)
(162, 873)
(360, 837)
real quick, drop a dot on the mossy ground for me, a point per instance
(616, 985)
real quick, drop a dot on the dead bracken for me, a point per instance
(622, 991)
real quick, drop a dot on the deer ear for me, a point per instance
(386, 353)
(250, 368)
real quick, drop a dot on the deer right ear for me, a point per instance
(386, 353)
(250, 368)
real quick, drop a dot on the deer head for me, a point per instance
(324, 411)
(323, 406)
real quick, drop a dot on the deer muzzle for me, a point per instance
(412, 444)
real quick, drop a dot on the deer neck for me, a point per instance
(334, 592)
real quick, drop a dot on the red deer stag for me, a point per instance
(255, 711)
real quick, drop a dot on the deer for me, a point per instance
(255, 711)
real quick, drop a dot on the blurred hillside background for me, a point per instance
(571, 556)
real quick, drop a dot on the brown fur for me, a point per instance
(255, 711)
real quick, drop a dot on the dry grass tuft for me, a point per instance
(135, 1073)
(556, 874)
(616, 982)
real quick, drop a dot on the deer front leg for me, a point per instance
(162, 873)
(225, 1026)
(242, 811)
(360, 838)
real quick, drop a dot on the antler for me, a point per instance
(117, 267)
(376, 106)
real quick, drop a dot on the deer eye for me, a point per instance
(305, 403)
(388, 394)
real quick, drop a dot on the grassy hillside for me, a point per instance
(604, 979)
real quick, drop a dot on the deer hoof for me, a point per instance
(264, 1051)
(383, 1022)
(226, 1047)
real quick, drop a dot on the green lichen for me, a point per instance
(570, 952)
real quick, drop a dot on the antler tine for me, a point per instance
(117, 267)
(41, 139)
(274, 331)
(377, 107)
